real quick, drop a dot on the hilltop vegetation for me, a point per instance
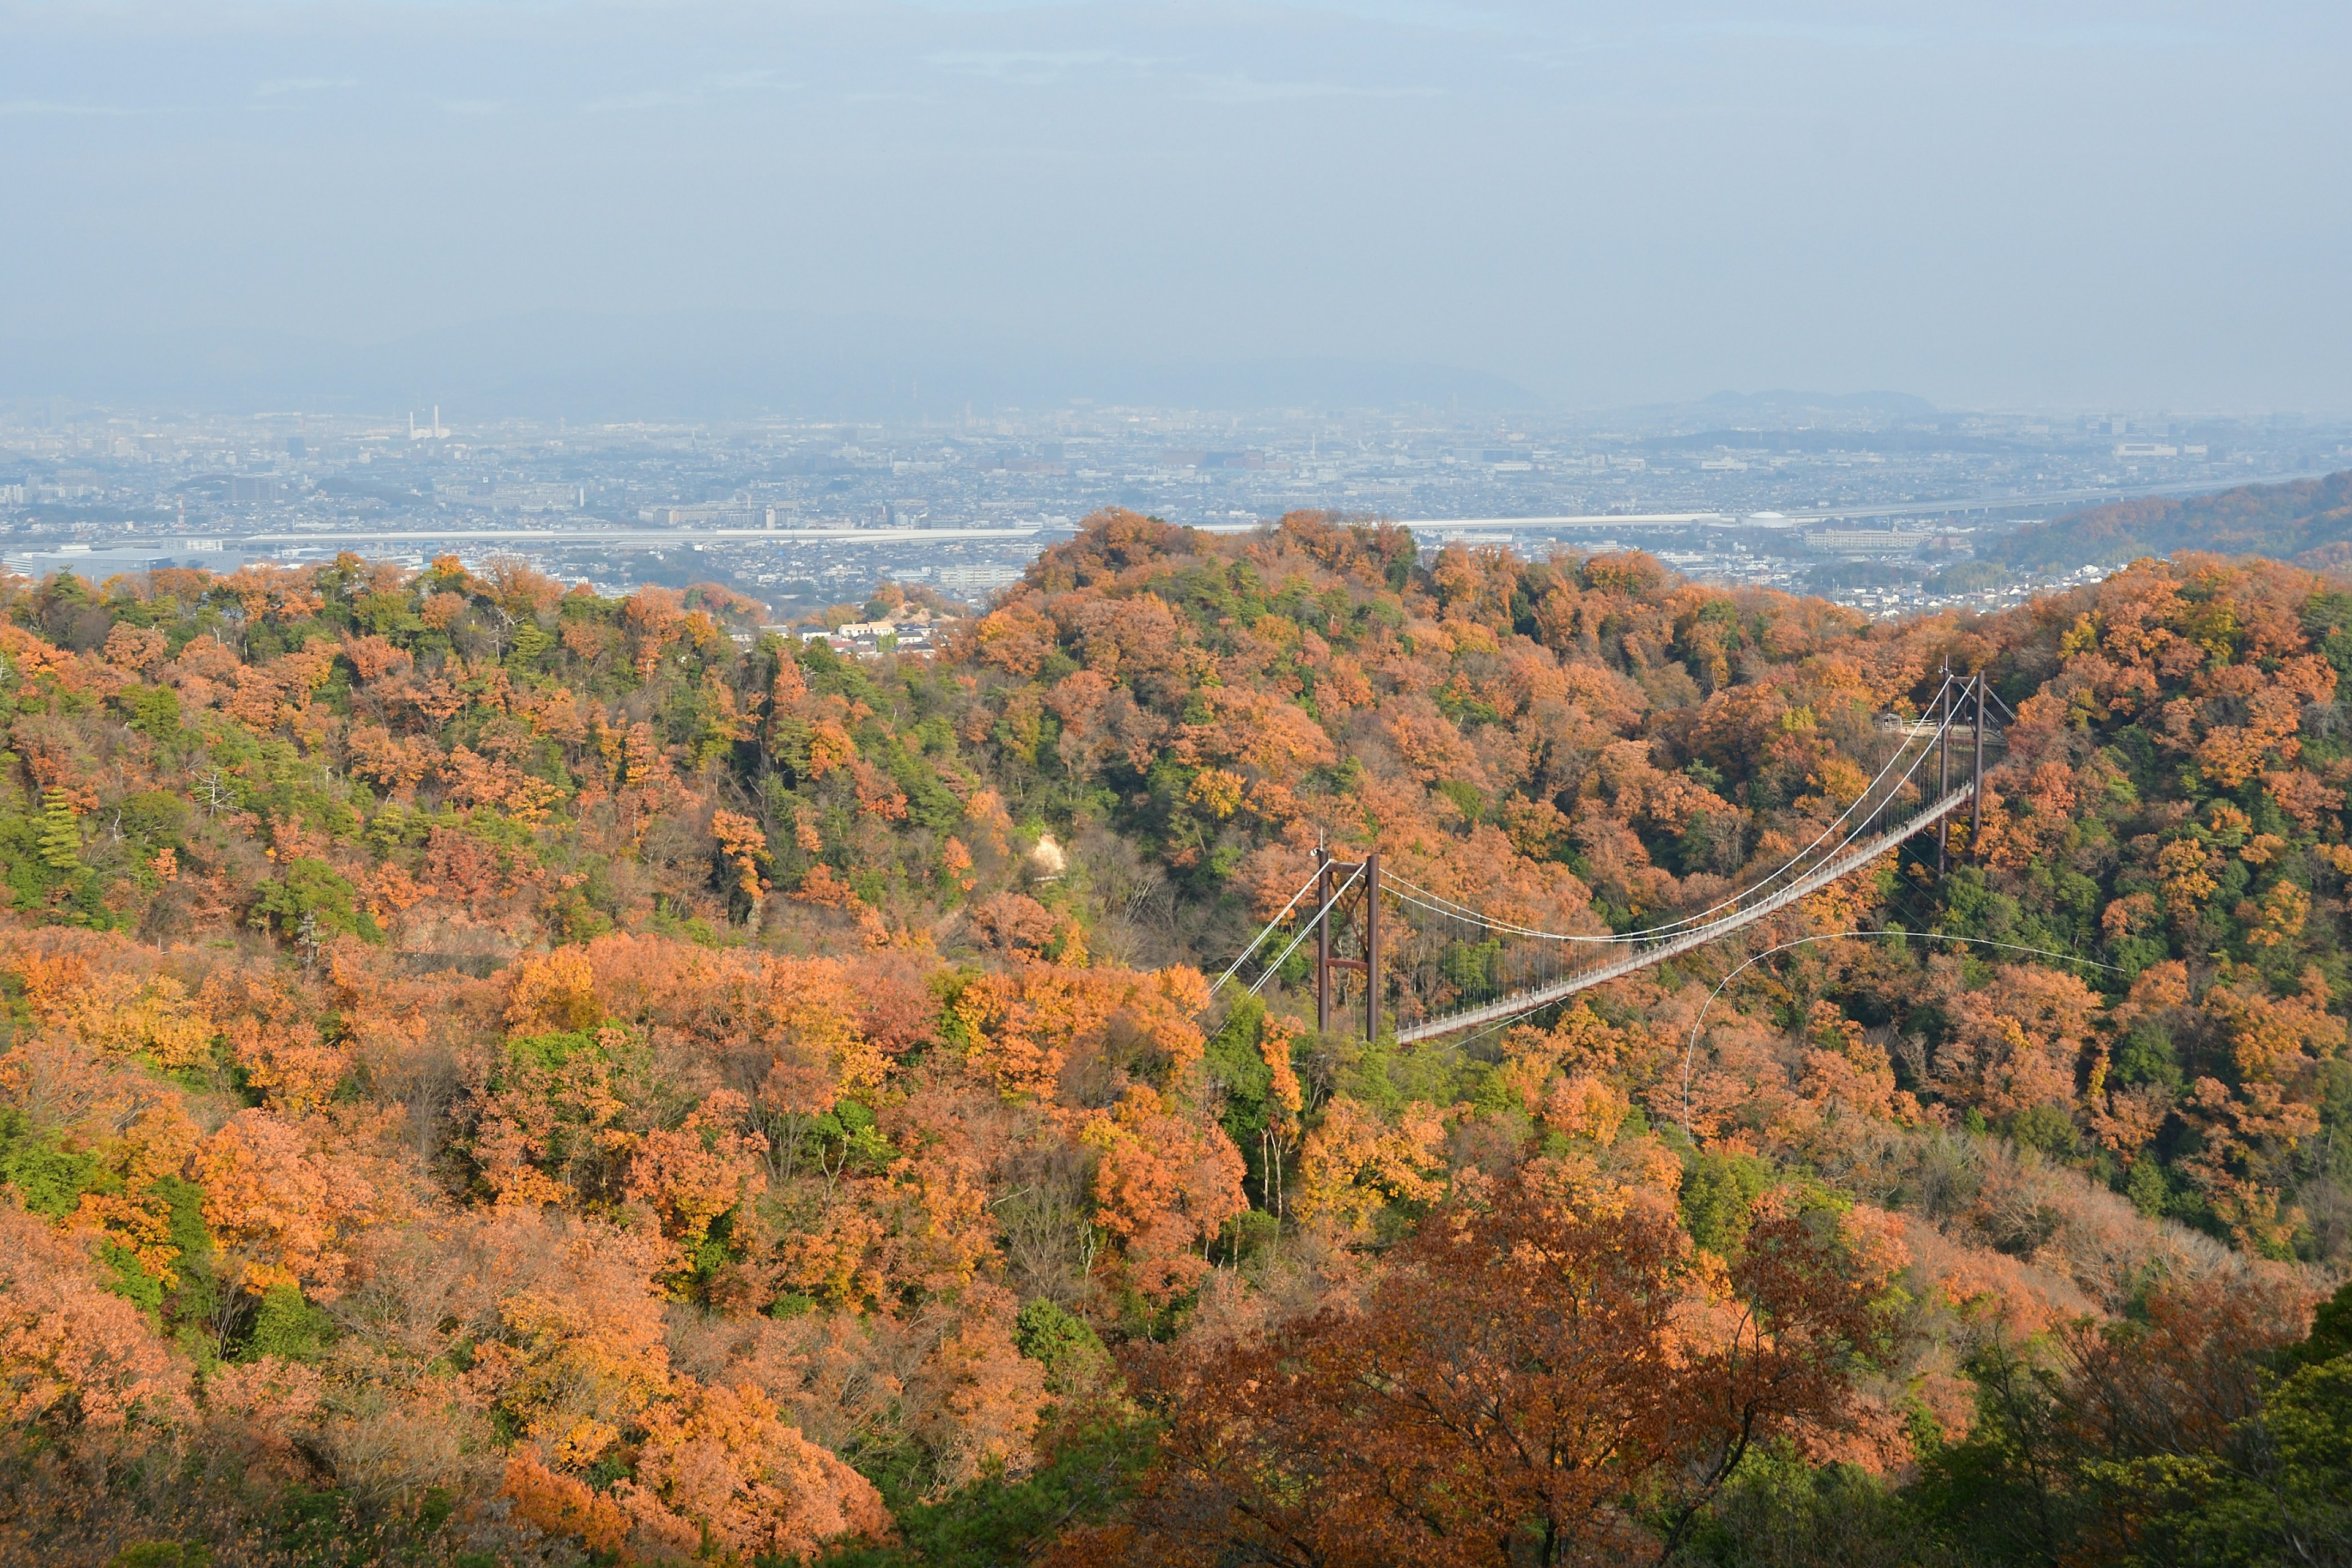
(2303, 518)
(494, 1074)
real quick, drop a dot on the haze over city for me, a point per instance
(603, 211)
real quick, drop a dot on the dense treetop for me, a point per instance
(493, 1073)
(2301, 519)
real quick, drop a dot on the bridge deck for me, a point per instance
(1812, 881)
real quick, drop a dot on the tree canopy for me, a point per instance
(493, 1073)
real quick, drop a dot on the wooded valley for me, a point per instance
(491, 1074)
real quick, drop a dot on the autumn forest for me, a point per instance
(495, 1075)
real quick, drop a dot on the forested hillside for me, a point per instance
(497, 1075)
(2284, 521)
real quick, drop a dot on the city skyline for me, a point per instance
(1883, 503)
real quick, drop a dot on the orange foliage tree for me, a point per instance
(1525, 1383)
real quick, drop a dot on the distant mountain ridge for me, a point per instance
(2282, 520)
(1906, 438)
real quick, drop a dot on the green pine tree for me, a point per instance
(60, 833)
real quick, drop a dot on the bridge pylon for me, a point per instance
(1330, 875)
(1964, 705)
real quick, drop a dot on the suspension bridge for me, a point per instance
(1444, 967)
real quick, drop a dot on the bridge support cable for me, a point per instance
(1258, 941)
(1976, 795)
(1460, 955)
(1409, 893)
(1313, 922)
(1532, 992)
(1933, 739)
(1538, 998)
(1840, 861)
(1943, 763)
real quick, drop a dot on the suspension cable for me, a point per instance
(1680, 928)
(1762, 882)
(1671, 928)
(1727, 922)
(1261, 936)
(1305, 926)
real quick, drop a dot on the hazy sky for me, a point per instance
(2139, 204)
